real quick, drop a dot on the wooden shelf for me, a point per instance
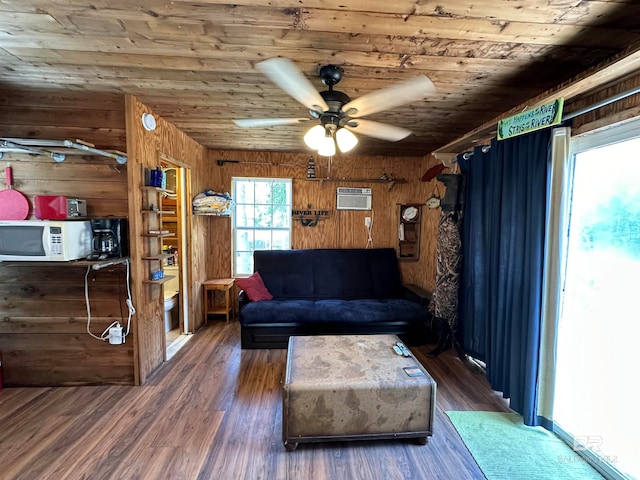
(370, 180)
(159, 282)
(391, 183)
(158, 189)
(95, 264)
(218, 311)
(159, 212)
(156, 235)
(162, 256)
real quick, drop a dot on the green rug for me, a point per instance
(506, 449)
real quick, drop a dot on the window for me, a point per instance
(598, 327)
(261, 219)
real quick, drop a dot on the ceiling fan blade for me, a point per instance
(401, 93)
(289, 78)
(379, 130)
(268, 122)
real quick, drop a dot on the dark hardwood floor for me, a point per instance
(213, 412)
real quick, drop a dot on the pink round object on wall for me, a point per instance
(13, 205)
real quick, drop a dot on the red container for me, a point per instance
(50, 207)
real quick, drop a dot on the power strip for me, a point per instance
(115, 335)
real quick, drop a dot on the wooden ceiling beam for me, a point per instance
(320, 42)
(568, 11)
(447, 82)
(488, 24)
(233, 59)
(613, 69)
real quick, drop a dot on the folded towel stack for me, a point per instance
(212, 202)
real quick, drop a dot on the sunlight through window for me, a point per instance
(599, 326)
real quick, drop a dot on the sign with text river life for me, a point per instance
(544, 116)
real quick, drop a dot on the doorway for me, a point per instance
(176, 320)
(594, 404)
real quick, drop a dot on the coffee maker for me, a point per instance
(110, 238)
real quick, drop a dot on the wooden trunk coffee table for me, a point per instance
(354, 387)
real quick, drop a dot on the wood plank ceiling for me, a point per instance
(193, 61)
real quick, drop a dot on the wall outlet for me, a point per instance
(367, 221)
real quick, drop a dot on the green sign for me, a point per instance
(543, 116)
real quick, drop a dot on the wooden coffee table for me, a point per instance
(354, 387)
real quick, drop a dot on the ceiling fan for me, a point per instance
(339, 116)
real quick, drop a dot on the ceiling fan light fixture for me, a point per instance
(327, 146)
(314, 137)
(346, 140)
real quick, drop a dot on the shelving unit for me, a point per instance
(409, 223)
(152, 220)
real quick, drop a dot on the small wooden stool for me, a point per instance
(219, 285)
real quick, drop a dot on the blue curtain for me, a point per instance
(502, 266)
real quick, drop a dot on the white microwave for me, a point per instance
(45, 240)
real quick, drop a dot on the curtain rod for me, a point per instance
(468, 155)
(220, 163)
(602, 103)
(577, 113)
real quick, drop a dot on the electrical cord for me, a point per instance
(132, 309)
(104, 336)
(369, 232)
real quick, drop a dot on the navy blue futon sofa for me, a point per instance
(330, 291)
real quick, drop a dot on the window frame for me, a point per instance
(235, 228)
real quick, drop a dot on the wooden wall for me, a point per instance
(43, 339)
(344, 228)
(145, 149)
(90, 116)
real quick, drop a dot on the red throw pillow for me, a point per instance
(254, 287)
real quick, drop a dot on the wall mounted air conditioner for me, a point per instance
(353, 198)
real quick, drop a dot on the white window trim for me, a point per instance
(615, 133)
(234, 228)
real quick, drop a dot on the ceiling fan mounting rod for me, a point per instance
(335, 100)
(331, 75)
